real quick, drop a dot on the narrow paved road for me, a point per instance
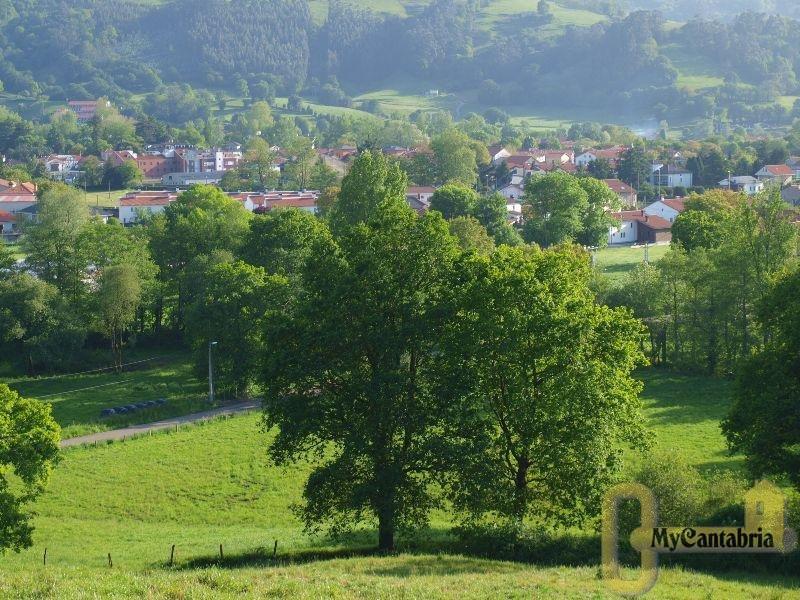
(133, 430)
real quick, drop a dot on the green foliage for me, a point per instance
(492, 213)
(371, 182)
(763, 422)
(51, 241)
(455, 158)
(471, 235)
(118, 297)
(231, 310)
(454, 200)
(344, 382)
(28, 452)
(542, 387)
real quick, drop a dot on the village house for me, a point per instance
(306, 200)
(671, 176)
(744, 184)
(791, 195)
(63, 167)
(136, 205)
(8, 225)
(776, 174)
(497, 153)
(626, 193)
(667, 209)
(419, 197)
(85, 110)
(15, 197)
(637, 227)
(612, 155)
(512, 192)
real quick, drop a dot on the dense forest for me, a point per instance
(625, 62)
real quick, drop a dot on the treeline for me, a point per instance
(263, 48)
(700, 302)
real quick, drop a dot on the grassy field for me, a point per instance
(618, 262)
(77, 400)
(212, 484)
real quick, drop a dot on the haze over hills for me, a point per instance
(597, 58)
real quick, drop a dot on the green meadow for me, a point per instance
(212, 484)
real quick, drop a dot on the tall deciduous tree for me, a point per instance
(344, 378)
(542, 377)
(118, 297)
(371, 181)
(231, 310)
(764, 421)
(555, 206)
(51, 241)
(455, 158)
(29, 449)
(454, 200)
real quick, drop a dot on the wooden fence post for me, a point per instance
(44, 558)
(110, 564)
(172, 555)
(275, 549)
(221, 555)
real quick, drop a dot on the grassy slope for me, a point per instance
(617, 262)
(77, 409)
(212, 484)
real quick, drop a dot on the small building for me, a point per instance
(512, 192)
(637, 227)
(744, 184)
(671, 176)
(612, 155)
(63, 167)
(791, 195)
(185, 179)
(626, 193)
(667, 209)
(306, 200)
(136, 205)
(776, 174)
(85, 110)
(419, 197)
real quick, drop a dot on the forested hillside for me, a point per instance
(559, 56)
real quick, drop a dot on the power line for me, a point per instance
(93, 387)
(138, 362)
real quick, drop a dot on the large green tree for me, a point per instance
(555, 205)
(454, 200)
(764, 421)
(117, 300)
(542, 378)
(230, 310)
(29, 449)
(343, 380)
(52, 240)
(371, 181)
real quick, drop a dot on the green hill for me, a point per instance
(212, 484)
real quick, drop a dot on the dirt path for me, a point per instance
(134, 430)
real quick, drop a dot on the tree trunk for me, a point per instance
(521, 489)
(386, 529)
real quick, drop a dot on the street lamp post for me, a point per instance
(211, 372)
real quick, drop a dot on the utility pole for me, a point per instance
(211, 372)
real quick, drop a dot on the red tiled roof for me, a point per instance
(650, 221)
(779, 170)
(619, 187)
(7, 217)
(147, 201)
(14, 197)
(675, 204)
(420, 189)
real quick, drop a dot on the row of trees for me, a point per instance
(699, 301)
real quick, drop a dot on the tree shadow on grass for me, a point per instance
(439, 553)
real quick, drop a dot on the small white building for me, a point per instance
(136, 205)
(779, 174)
(671, 176)
(512, 192)
(745, 184)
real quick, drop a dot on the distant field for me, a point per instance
(618, 262)
(77, 400)
(104, 198)
(694, 73)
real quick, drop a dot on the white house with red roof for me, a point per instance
(306, 200)
(637, 227)
(780, 174)
(135, 205)
(15, 197)
(626, 193)
(612, 155)
(665, 208)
